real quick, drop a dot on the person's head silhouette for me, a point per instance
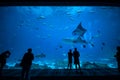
(75, 49)
(70, 50)
(118, 48)
(7, 53)
(29, 50)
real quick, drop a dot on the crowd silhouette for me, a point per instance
(28, 57)
(76, 56)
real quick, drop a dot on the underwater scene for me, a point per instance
(52, 30)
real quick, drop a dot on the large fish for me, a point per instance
(78, 40)
(71, 40)
(79, 30)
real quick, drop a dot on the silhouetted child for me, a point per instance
(3, 57)
(76, 56)
(118, 57)
(26, 64)
(70, 59)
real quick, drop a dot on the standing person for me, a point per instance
(3, 57)
(76, 56)
(118, 57)
(70, 59)
(26, 64)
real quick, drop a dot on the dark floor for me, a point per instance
(63, 74)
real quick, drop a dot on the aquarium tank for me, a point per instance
(52, 30)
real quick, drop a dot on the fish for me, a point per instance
(96, 36)
(60, 46)
(68, 13)
(84, 46)
(79, 30)
(40, 55)
(103, 43)
(41, 17)
(56, 48)
(92, 45)
(71, 40)
(112, 59)
(98, 31)
(79, 11)
(36, 28)
(92, 11)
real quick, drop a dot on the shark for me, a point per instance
(73, 40)
(78, 41)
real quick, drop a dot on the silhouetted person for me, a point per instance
(26, 64)
(3, 57)
(76, 56)
(70, 59)
(118, 57)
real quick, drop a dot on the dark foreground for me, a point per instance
(63, 74)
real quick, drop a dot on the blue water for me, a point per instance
(43, 29)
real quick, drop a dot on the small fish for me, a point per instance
(103, 43)
(71, 19)
(40, 55)
(98, 31)
(20, 25)
(56, 48)
(92, 45)
(68, 13)
(79, 11)
(84, 46)
(92, 11)
(60, 46)
(41, 17)
(36, 28)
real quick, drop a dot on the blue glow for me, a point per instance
(44, 28)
